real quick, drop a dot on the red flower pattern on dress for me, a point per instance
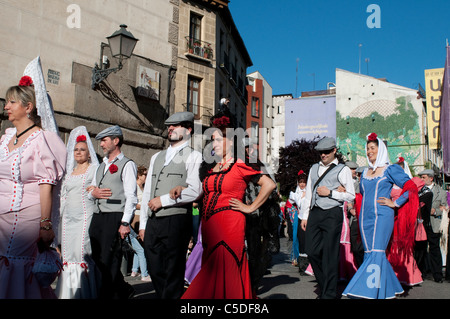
(25, 81)
(372, 137)
(81, 138)
(113, 168)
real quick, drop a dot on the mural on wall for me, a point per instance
(397, 123)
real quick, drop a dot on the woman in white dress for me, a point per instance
(80, 277)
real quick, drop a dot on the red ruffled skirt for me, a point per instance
(224, 273)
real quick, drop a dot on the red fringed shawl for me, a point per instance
(401, 244)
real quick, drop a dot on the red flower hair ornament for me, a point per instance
(400, 160)
(372, 137)
(25, 81)
(113, 168)
(81, 138)
(221, 122)
(300, 172)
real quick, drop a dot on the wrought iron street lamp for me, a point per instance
(122, 44)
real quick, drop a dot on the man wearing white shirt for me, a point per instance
(299, 198)
(166, 223)
(114, 191)
(322, 215)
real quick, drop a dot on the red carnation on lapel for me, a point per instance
(25, 81)
(372, 137)
(113, 168)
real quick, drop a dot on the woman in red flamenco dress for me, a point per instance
(224, 272)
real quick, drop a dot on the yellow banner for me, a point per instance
(433, 85)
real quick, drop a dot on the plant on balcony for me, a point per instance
(207, 51)
(189, 46)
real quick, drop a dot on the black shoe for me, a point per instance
(127, 292)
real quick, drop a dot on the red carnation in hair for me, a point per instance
(81, 138)
(400, 160)
(221, 122)
(300, 172)
(25, 81)
(372, 137)
(113, 168)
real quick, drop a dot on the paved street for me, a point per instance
(284, 282)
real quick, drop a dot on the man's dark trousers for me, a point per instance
(322, 240)
(165, 244)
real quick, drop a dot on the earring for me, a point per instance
(28, 115)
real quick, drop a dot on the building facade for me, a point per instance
(162, 76)
(278, 135)
(260, 112)
(212, 61)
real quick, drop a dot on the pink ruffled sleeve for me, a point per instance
(50, 162)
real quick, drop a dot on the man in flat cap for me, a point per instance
(165, 222)
(322, 215)
(114, 190)
(433, 223)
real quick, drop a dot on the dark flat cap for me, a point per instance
(110, 131)
(325, 144)
(180, 117)
(428, 172)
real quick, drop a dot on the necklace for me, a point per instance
(221, 165)
(17, 136)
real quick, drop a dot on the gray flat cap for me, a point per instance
(325, 144)
(179, 118)
(110, 131)
(351, 164)
(428, 172)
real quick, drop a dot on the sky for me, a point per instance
(323, 35)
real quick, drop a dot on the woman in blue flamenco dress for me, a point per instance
(375, 278)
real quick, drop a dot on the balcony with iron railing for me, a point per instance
(198, 48)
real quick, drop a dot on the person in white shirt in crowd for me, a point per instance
(298, 197)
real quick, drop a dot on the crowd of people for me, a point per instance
(389, 228)
(64, 208)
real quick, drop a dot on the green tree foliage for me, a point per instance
(299, 155)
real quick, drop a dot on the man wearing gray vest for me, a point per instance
(166, 223)
(115, 195)
(322, 218)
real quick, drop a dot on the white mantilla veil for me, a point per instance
(80, 130)
(43, 102)
(382, 156)
(45, 111)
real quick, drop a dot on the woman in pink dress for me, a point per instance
(32, 162)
